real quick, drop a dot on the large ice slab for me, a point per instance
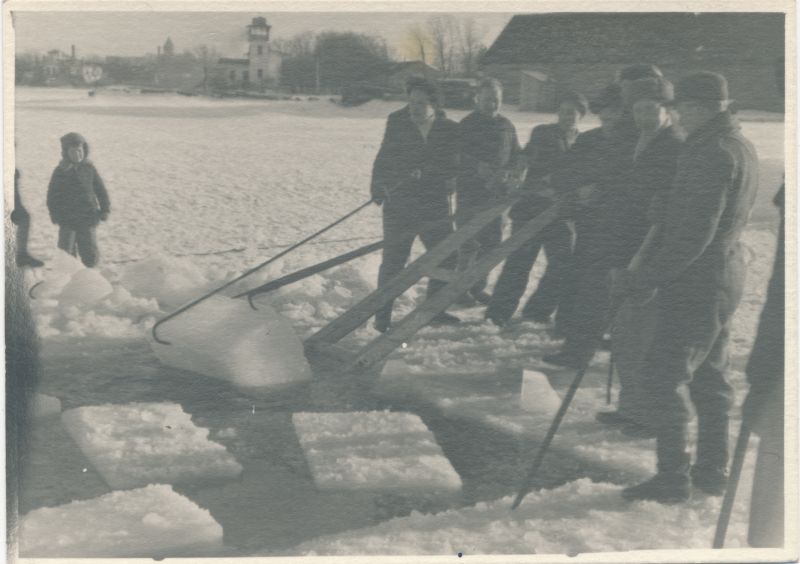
(378, 450)
(227, 339)
(147, 443)
(154, 521)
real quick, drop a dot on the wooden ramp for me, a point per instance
(329, 359)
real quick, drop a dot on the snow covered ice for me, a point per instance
(227, 339)
(138, 444)
(212, 214)
(153, 521)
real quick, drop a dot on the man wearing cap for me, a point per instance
(543, 154)
(622, 220)
(633, 217)
(697, 274)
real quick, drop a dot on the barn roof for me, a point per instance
(630, 37)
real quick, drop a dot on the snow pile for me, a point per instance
(72, 301)
(147, 443)
(226, 339)
(578, 517)
(171, 281)
(152, 522)
(378, 451)
(44, 405)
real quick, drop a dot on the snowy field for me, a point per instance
(202, 190)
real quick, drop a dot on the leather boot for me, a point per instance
(710, 473)
(671, 484)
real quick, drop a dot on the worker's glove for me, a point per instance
(103, 215)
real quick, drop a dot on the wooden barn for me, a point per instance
(538, 57)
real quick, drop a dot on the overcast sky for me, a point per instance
(137, 33)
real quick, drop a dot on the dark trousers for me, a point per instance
(487, 239)
(80, 241)
(23, 221)
(399, 232)
(686, 365)
(557, 240)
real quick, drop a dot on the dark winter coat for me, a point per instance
(76, 196)
(765, 369)
(595, 158)
(489, 140)
(404, 150)
(700, 258)
(630, 207)
(545, 152)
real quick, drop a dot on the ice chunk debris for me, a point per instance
(86, 287)
(537, 395)
(145, 443)
(226, 339)
(171, 281)
(151, 522)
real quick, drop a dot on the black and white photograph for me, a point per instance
(469, 281)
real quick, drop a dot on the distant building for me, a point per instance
(262, 66)
(393, 76)
(538, 57)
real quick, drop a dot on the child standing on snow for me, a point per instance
(77, 200)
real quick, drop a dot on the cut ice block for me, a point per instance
(154, 521)
(376, 451)
(86, 287)
(147, 443)
(537, 395)
(226, 339)
(44, 406)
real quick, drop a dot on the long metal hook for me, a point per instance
(154, 330)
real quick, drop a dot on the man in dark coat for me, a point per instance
(698, 275)
(543, 154)
(489, 153)
(77, 200)
(586, 170)
(631, 212)
(412, 178)
(763, 408)
(22, 219)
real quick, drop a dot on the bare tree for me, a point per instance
(470, 45)
(443, 30)
(417, 44)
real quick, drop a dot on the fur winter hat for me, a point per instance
(72, 139)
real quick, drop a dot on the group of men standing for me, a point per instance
(652, 205)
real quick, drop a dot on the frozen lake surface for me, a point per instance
(202, 190)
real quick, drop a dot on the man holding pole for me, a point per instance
(698, 275)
